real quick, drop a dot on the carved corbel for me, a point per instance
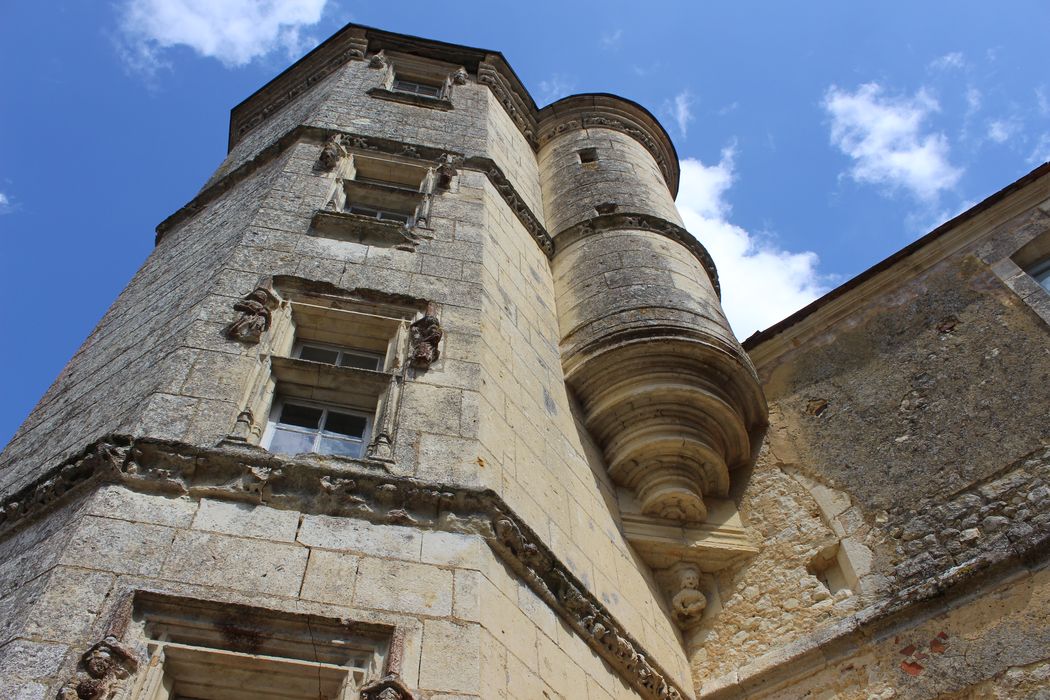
(255, 309)
(378, 60)
(459, 76)
(101, 671)
(447, 169)
(426, 333)
(689, 602)
(333, 152)
(389, 688)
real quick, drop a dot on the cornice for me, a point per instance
(639, 222)
(356, 43)
(242, 473)
(499, 180)
(605, 111)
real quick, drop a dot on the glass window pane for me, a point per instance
(345, 424)
(335, 446)
(360, 361)
(291, 442)
(315, 354)
(303, 416)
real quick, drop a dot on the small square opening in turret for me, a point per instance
(588, 157)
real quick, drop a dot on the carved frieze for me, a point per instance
(255, 315)
(517, 205)
(101, 671)
(239, 472)
(512, 102)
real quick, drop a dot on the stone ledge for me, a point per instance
(346, 488)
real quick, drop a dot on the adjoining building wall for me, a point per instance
(908, 451)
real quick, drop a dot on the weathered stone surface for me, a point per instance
(247, 520)
(404, 587)
(246, 564)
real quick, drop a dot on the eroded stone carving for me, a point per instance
(378, 60)
(100, 672)
(516, 204)
(237, 472)
(391, 687)
(332, 152)
(426, 335)
(255, 309)
(459, 76)
(446, 170)
(689, 602)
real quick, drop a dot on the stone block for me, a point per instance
(361, 536)
(119, 546)
(113, 501)
(452, 549)
(330, 577)
(403, 587)
(451, 657)
(30, 660)
(250, 565)
(247, 520)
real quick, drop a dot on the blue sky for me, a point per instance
(816, 138)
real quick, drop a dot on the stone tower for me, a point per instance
(426, 393)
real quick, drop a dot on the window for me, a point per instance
(1040, 272)
(416, 88)
(201, 650)
(298, 427)
(331, 381)
(341, 357)
(379, 214)
(588, 155)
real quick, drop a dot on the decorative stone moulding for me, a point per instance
(240, 473)
(618, 114)
(673, 412)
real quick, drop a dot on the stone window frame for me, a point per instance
(1018, 272)
(214, 650)
(415, 70)
(349, 323)
(402, 184)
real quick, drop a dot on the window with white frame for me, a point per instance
(298, 426)
(417, 87)
(341, 357)
(332, 379)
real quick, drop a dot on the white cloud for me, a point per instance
(973, 100)
(680, 110)
(556, 88)
(1002, 130)
(1041, 152)
(612, 39)
(6, 207)
(233, 31)
(761, 283)
(884, 136)
(949, 60)
(1042, 100)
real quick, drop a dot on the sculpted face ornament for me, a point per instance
(389, 688)
(689, 602)
(100, 672)
(255, 309)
